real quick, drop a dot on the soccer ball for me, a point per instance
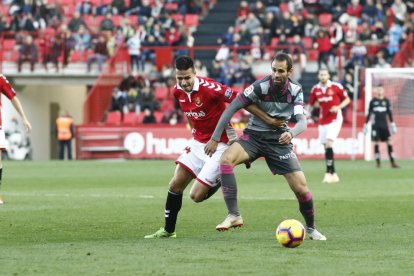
(290, 233)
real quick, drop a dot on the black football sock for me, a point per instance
(212, 190)
(391, 154)
(306, 209)
(229, 188)
(329, 158)
(377, 155)
(172, 207)
(1, 175)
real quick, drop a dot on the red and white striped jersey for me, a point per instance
(204, 106)
(328, 96)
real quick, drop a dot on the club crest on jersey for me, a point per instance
(330, 92)
(383, 103)
(228, 93)
(248, 90)
(198, 102)
(289, 98)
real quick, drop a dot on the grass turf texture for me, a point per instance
(89, 218)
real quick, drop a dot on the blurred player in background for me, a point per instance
(331, 98)
(202, 101)
(7, 90)
(280, 97)
(379, 109)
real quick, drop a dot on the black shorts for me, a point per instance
(380, 134)
(280, 158)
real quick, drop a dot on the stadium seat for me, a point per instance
(191, 20)
(113, 118)
(167, 105)
(161, 92)
(130, 118)
(77, 56)
(117, 20)
(172, 7)
(313, 54)
(177, 17)
(8, 44)
(4, 9)
(325, 19)
(283, 7)
(274, 41)
(158, 116)
(307, 41)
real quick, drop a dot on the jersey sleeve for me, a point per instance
(312, 98)
(369, 111)
(341, 91)
(389, 111)
(298, 103)
(219, 90)
(6, 88)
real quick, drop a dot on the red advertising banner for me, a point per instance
(158, 142)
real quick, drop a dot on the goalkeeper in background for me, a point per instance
(379, 108)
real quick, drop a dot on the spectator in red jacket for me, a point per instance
(324, 46)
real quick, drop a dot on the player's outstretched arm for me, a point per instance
(18, 106)
(225, 118)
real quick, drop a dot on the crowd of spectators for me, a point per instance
(63, 29)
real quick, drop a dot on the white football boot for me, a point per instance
(230, 221)
(315, 234)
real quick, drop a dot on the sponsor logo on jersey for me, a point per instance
(248, 90)
(325, 99)
(182, 101)
(195, 115)
(198, 102)
(379, 109)
(228, 93)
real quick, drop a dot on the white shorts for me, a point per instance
(3, 143)
(204, 168)
(330, 131)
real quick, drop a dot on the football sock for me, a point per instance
(213, 190)
(329, 157)
(377, 155)
(229, 188)
(172, 207)
(306, 209)
(391, 153)
(1, 174)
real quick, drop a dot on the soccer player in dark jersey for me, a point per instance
(331, 97)
(7, 90)
(279, 97)
(202, 101)
(379, 109)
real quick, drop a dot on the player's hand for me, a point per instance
(275, 123)
(27, 125)
(334, 109)
(365, 129)
(393, 128)
(210, 147)
(285, 138)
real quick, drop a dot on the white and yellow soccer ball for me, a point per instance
(290, 233)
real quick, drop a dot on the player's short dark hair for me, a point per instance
(281, 56)
(184, 63)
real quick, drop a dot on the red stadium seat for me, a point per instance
(191, 20)
(77, 56)
(274, 41)
(130, 118)
(313, 54)
(158, 116)
(307, 41)
(114, 118)
(171, 7)
(8, 44)
(325, 19)
(177, 17)
(161, 92)
(167, 105)
(283, 7)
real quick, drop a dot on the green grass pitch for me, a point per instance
(89, 218)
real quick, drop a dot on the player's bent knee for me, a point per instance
(197, 197)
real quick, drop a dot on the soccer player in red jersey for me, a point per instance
(331, 97)
(7, 90)
(202, 101)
